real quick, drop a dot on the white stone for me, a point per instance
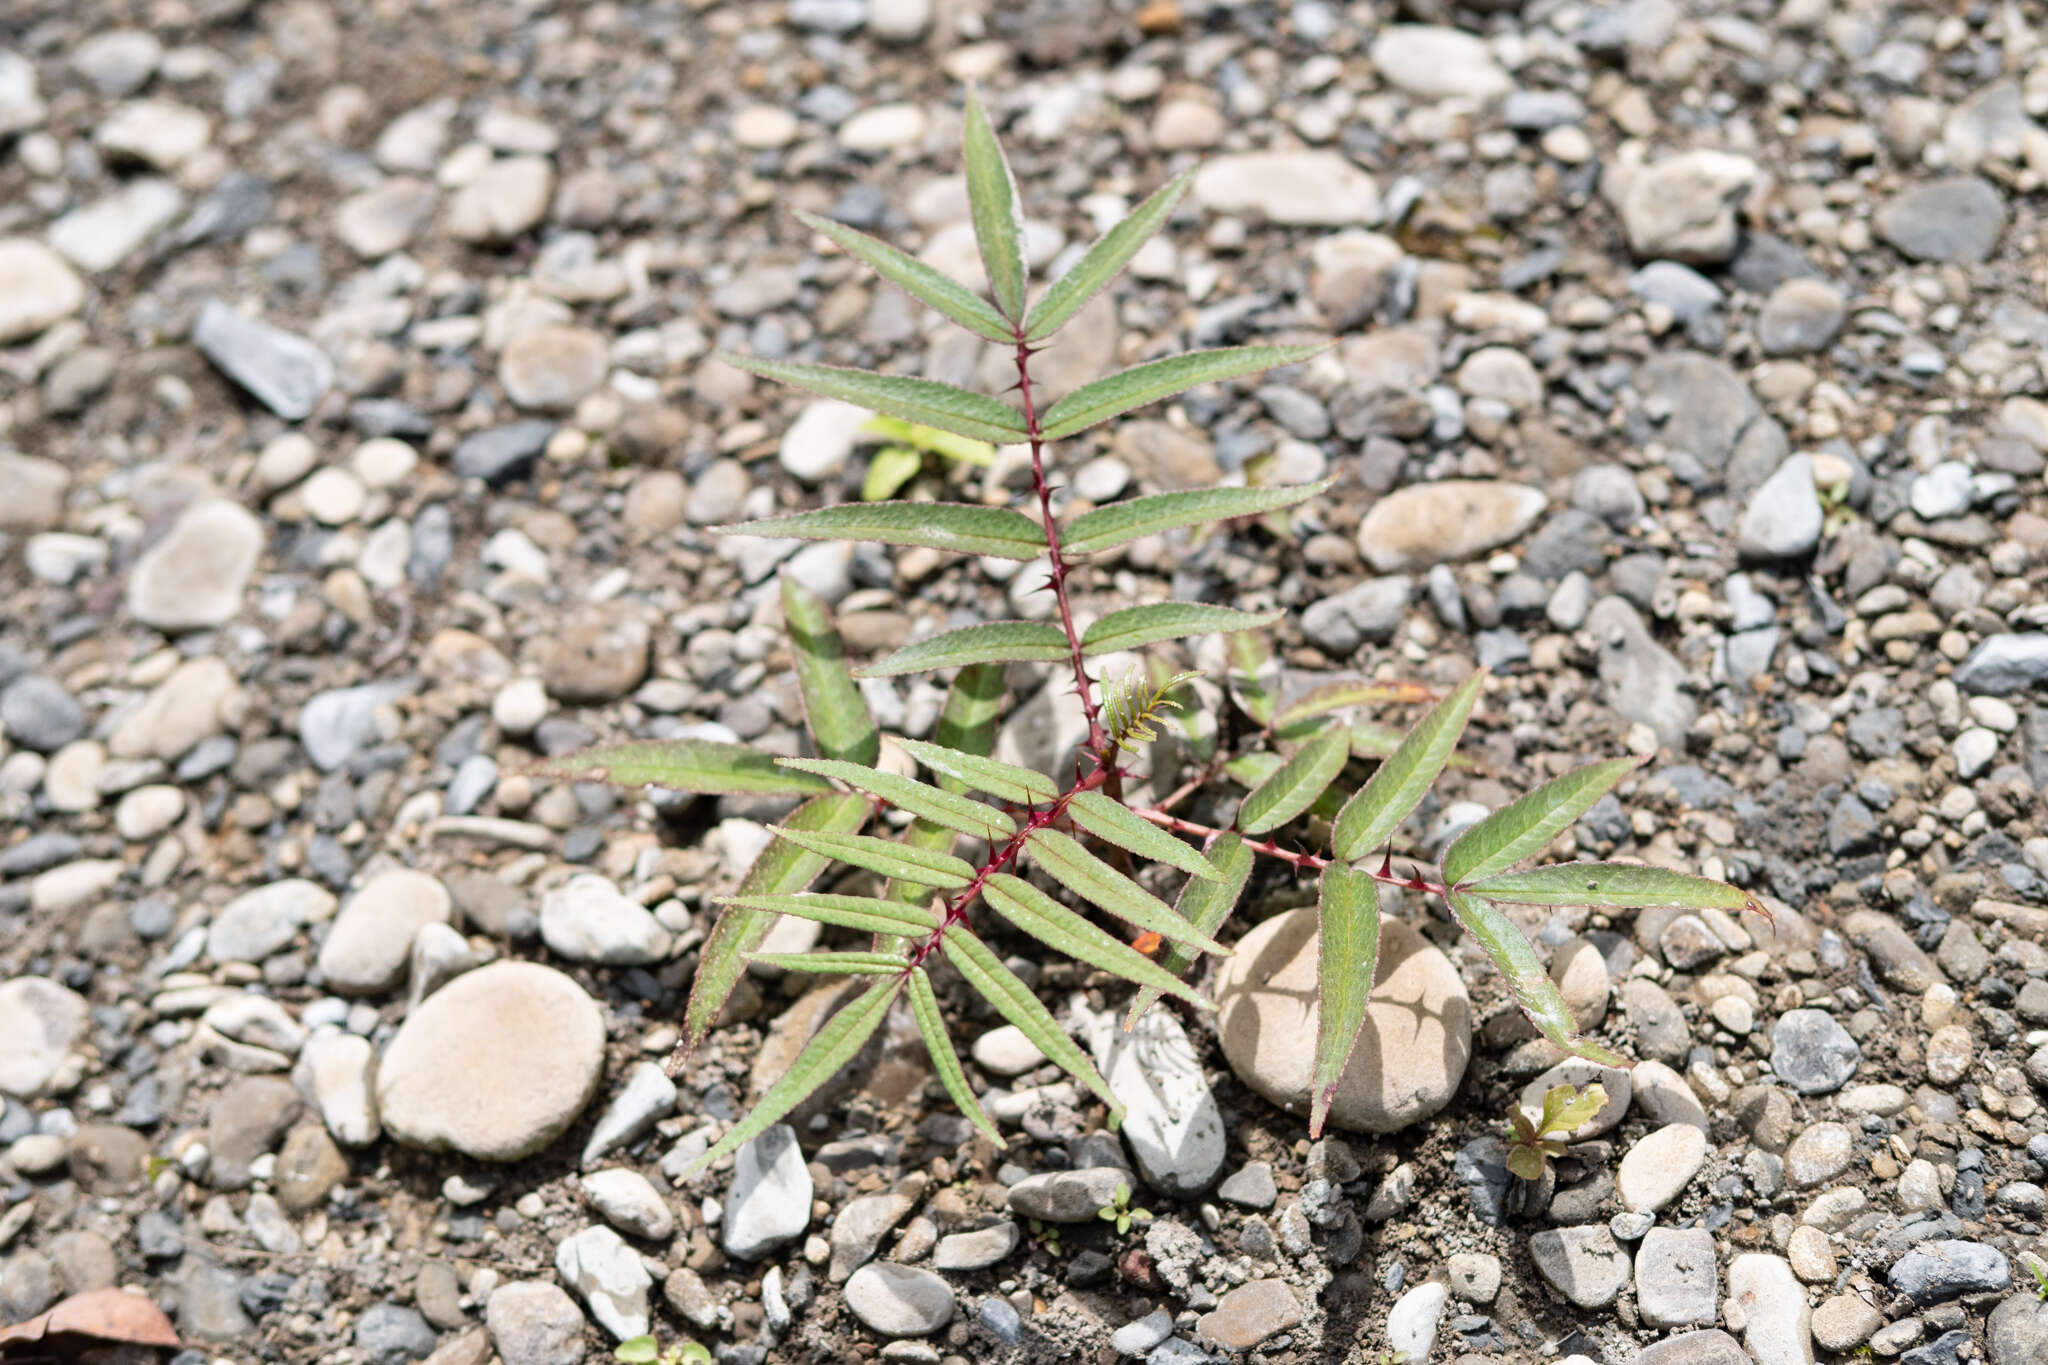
(1171, 1122)
(770, 1200)
(36, 289)
(1657, 1169)
(1412, 1322)
(1778, 1328)
(609, 1277)
(587, 919)
(1438, 63)
(821, 439)
(337, 1071)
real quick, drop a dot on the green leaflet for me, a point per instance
(1059, 928)
(980, 454)
(1348, 952)
(1157, 379)
(689, 765)
(837, 713)
(955, 812)
(1254, 675)
(835, 964)
(959, 527)
(1004, 781)
(1518, 831)
(966, 725)
(1339, 696)
(888, 470)
(997, 642)
(1370, 818)
(1120, 523)
(992, 203)
(1104, 261)
(1113, 822)
(1093, 880)
(782, 867)
(1015, 1002)
(1294, 786)
(1534, 991)
(923, 401)
(1250, 769)
(1205, 905)
(946, 1062)
(926, 867)
(830, 1049)
(1130, 627)
(915, 278)
(851, 912)
(1614, 884)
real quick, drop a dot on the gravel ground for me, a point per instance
(358, 432)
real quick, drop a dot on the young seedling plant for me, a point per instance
(1533, 1142)
(1038, 837)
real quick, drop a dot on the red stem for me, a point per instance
(1310, 861)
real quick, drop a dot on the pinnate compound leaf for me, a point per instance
(1294, 786)
(834, 964)
(1060, 929)
(926, 867)
(1120, 523)
(1019, 642)
(955, 812)
(1104, 261)
(1518, 831)
(1339, 696)
(992, 204)
(945, 1061)
(915, 278)
(1393, 792)
(837, 714)
(852, 912)
(785, 866)
(1610, 884)
(1015, 1002)
(707, 766)
(1093, 880)
(1004, 781)
(829, 1050)
(1133, 626)
(1157, 379)
(1113, 823)
(924, 401)
(1348, 916)
(1515, 957)
(959, 527)
(1205, 905)
(967, 725)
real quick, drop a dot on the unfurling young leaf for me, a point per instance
(1104, 261)
(1015, 642)
(998, 217)
(1515, 958)
(1294, 786)
(1120, 523)
(1205, 905)
(783, 867)
(1133, 626)
(1348, 955)
(1132, 706)
(834, 708)
(1157, 379)
(1521, 830)
(888, 470)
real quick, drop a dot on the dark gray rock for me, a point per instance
(1957, 219)
(2005, 664)
(282, 370)
(505, 453)
(391, 1334)
(1936, 1271)
(37, 713)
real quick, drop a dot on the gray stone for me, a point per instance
(1712, 1347)
(193, 578)
(505, 453)
(390, 1333)
(1935, 1272)
(533, 1322)
(587, 919)
(2004, 664)
(1639, 678)
(1709, 405)
(335, 725)
(858, 1231)
(1677, 1279)
(1800, 317)
(1956, 219)
(285, 372)
(769, 1204)
(1812, 1053)
(257, 923)
(1250, 1186)
(104, 233)
(1783, 518)
(977, 1250)
(898, 1300)
(1584, 1264)
(1371, 610)
(2017, 1333)
(1171, 1122)
(37, 713)
(1067, 1196)
(647, 1095)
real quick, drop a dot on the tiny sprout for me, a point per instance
(1566, 1108)
(2040, 1274)
(645, 1350)
(1120, 1213)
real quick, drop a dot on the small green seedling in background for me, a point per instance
(1120, 1213)
(2040, 1274)
(647, 1351)
(1046, 1235)
(905, 444)
(1566, 1109)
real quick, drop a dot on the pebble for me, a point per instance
(629, 1202)
(1410, 1055)
(1934, 1272)
(587, 919)
(366, 949)
(1437, 523)
(1657, 1169)
(258, 923)
(1819, 1154)
(337, 1071)
(1067, 1196)
(1412, 1321)
(37, 713)
(551, 369)
(1249, 1314)
(977, 1250)
(646, 1097)
(899, 1300)
(193, 578)
(533, 1322)
(769, 1204)
(285, 372)
(99, 236)
(1801, 316)
(1783, 518)
(1294, 189)
(1677, 1277)
(1777, 1319)
(503, 203)
(1959, 218)
(1171, 1121)
(1812, 1053)
(1683, 207)
(820, 441)
(1584, 1264)
(39, 1023)
(1437, 64)
(37, 289)
(495, 1065)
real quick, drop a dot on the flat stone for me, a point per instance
(1368, 611)
(587, 919)
(1779, 1322)
(257, 923)
(1171, 1123)
(609, 1277)
(1846, 1321)
(496, 1064)
(597, 656)
(162, 134)
(103, 234)
(1678, 1281)
(1812, 1053)
(336, 724)
(1296, 189)
(1959, 218)
(501, 454)
(2017, 1333)
(551, 369)
(193, 578)
(387, 218)
(1436, 523)
(1657, 1169)
(1249, 1314)
(337, 1071)
(1819, 1154)
(646, 1097)
(977, 1250)
(1783, 519)
(1935, 1272)
(1438, 63)
(1067, 1196)
(899, 1300)
(860, 1226)
(37, 288)
(1712, 1347)
(769, 1204)
(282, 370)
(2004, 664)
(365, 951)
(1584, 1264)
(1410, 1055)
(535, 1322)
